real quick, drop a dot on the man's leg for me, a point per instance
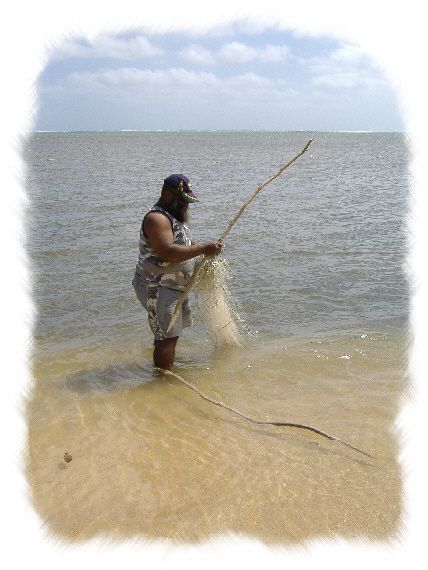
(164, 352)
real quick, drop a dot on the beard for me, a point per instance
(179, 210)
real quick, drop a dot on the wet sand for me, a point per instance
(153, 460)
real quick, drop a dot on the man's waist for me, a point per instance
(175, 281)
(181, 267)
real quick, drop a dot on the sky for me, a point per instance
(235, 77)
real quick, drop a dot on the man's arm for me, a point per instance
(158, 229)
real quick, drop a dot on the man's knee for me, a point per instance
(166, 344)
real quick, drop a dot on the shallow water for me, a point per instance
(317, 266)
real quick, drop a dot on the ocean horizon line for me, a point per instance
(338, 131)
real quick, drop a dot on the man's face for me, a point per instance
(179, 209)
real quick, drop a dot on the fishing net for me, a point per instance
(217, 309)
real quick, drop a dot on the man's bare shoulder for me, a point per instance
(156, 222)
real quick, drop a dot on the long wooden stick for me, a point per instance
(260, 422)
(232, 222)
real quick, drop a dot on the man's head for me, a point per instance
(176, 196)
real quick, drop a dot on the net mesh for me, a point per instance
(217, 309)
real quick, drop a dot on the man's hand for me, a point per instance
(212, 247)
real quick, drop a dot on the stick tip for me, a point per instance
(307, 145)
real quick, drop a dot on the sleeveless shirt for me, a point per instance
(152, 270)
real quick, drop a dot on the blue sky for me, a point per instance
(232, 78)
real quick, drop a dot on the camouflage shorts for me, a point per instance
(159, 303)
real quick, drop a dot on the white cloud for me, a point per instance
(346, 67)
(128, 77)
(346, 79)
(348, 54)
(129, 82)
(170, 98)
(197, 55)
(238, 52)
(273, 53)
(108, 46)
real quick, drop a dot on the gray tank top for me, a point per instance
(156, 272)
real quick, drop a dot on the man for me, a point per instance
(166, 263)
